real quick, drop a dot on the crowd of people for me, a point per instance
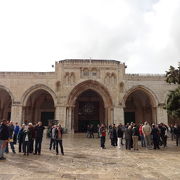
(151, 136)
(29, 136)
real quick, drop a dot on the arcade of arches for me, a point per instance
(89, 104)
(39, 107)
(139, 108)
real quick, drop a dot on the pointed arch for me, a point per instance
(146, 90)
(92, 85)
(8, 91)
(34, 88)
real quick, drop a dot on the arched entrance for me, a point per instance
(89, 110)
(39, 107)
(140, 106)
(88, 103)
(5, 105)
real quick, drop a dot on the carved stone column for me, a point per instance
(16, 113)
(60, 115)
(162, 114)
(118, 115)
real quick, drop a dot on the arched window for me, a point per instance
(86, 72)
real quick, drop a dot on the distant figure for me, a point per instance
(146, 129)
(20, 138)
(91, 131)
(155, 135)
(58, 138)
(128, 137)
(141, 136)
(38, 137)
(135, 135)
(88, 131)
(102, 136)
(177, 133)
(16, 131)
(4, 136)
(52, 138)
(119, 135)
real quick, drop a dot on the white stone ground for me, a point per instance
(84, 160)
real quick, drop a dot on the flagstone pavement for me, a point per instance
(85, 160)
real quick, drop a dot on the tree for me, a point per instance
(173, 75)
(173, 101)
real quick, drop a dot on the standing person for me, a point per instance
(155, 134)
(110, 132)
(91, 131)
(128, 137)
(114, 135)
(4, 136)
(31, 137)
(172, 132)
(163, 134)
(98, 133)
(38, 137)
(135, 135)
(11, 133)
(26, 141)
(177, 133)
(146, 129)
(58, 138)
(141, 136)
(119, 135)
(16, 131)
(20, 138)
(52, 138)
(102, 136)
(88, 131)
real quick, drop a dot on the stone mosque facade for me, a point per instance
(81, 92)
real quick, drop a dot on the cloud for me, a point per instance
(143, 34)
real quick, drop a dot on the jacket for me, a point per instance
(4, 132)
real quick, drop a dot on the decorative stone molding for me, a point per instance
(110, 79)
(89, 73)
(58, 86)
(69, 78)
(121, 87)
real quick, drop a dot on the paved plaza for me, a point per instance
(84, 160)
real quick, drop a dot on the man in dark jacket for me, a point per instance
(20, 138)
(38, 137)
(11, 134)
(128, 137)
(135, 135)
(4, 136)
(58, 138)
(177, 133)
(156, 136)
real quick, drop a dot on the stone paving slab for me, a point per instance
(84, 160)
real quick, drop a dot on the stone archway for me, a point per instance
(140, 105)
(38, 105)
(82, 89)
(6, 100)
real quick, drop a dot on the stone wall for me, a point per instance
(108, 75)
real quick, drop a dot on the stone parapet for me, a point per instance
(27, 74)
(145, 77)
(88, 61)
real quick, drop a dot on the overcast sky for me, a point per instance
(145, 34)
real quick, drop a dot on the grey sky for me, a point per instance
(142, 33)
